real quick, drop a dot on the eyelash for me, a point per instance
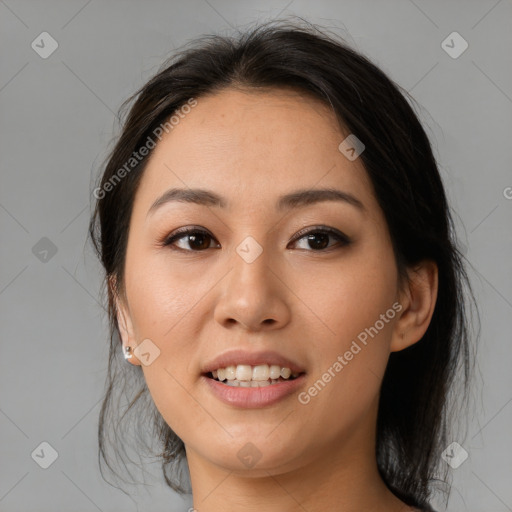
(342, 239)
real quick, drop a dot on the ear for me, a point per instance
(418, 300)
(124, 321)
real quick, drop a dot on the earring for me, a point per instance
(127, 352)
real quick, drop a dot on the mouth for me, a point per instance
(236, 387)
(245, 379)
(261, 377)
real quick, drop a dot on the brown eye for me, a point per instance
(197, 240)
(318, 239)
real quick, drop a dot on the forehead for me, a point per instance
(253, 145)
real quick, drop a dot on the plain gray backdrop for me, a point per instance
(57, 120)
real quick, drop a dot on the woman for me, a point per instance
(282, 277)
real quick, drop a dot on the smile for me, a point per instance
(253, 394)
(244, 375)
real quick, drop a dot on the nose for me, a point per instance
(252, 296)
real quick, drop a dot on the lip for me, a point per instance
(253, 398)
(235, 357)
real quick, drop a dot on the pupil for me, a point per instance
(194, 238)
(323, 243)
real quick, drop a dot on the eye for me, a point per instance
(197, 239)
(318, 238)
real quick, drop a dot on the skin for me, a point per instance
(251, 147)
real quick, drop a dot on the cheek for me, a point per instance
(161, 294)
(349, 295)
(165, 304)
(354, 302)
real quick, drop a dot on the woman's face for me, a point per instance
(256, 282)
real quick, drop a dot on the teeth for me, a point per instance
(285, 373)
(231, 372)
(248, 375)
(243, 372)
(251, 384)
(260, 372)
(275, 371)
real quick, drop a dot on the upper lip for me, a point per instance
(236, 357)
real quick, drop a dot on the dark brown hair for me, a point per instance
(413, 414)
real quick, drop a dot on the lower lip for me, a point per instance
(253, 398)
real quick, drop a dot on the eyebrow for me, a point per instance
(296, 199)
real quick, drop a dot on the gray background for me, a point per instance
(57, 120)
